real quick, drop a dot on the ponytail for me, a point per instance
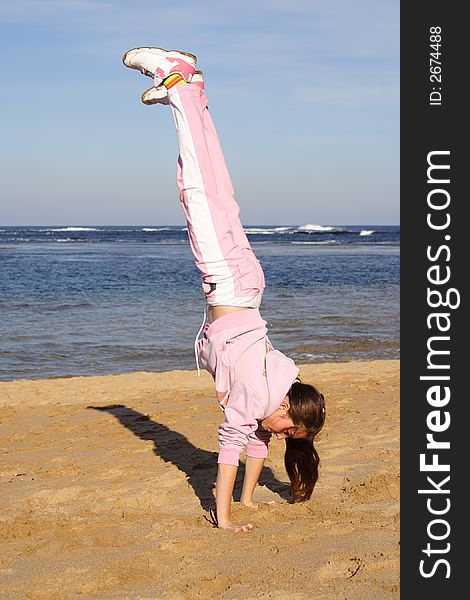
(301, 459)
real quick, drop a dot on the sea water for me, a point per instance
(97, 300)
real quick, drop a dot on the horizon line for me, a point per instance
(183, 225)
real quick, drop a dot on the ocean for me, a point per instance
(99, 300)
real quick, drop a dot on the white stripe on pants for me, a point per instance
(230, 271)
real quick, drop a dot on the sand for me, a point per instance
(106, 485)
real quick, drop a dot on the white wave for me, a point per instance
(310, 355)
(316, 243)
(310, 227)
(266, 230)
(367, 232)
(156, 229)
(72, 229)
(258, 231)
(172, 242)
(65, 240)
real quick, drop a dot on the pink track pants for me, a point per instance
(231, 274)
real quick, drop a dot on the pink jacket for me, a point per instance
(251, 380)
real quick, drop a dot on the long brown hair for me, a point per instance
(307, 410)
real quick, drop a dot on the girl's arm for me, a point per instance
(226, 475)
(253, 468)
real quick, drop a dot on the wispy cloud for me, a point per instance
(325, 28)
(286, 74)
(35, 11)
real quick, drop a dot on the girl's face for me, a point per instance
(280, 423)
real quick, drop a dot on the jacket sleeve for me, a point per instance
(257, 446)
(241, 413)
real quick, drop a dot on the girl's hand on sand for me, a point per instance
(236, 528)
(252, 504)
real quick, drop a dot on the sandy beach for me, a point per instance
(107, 483)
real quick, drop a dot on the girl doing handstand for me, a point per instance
(257, 387)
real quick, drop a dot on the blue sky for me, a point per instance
(304, 93)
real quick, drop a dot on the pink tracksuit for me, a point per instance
(251, 378)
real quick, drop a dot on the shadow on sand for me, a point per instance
(199, 466)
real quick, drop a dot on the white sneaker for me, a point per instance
(159, 95)
(159, 63)
(198, 79)
(155, 95)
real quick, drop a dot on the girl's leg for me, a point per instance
(231, 273)
(224, 183)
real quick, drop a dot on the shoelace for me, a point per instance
(196, 341)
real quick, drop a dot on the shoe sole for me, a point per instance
(147, 98)
(159, 51)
